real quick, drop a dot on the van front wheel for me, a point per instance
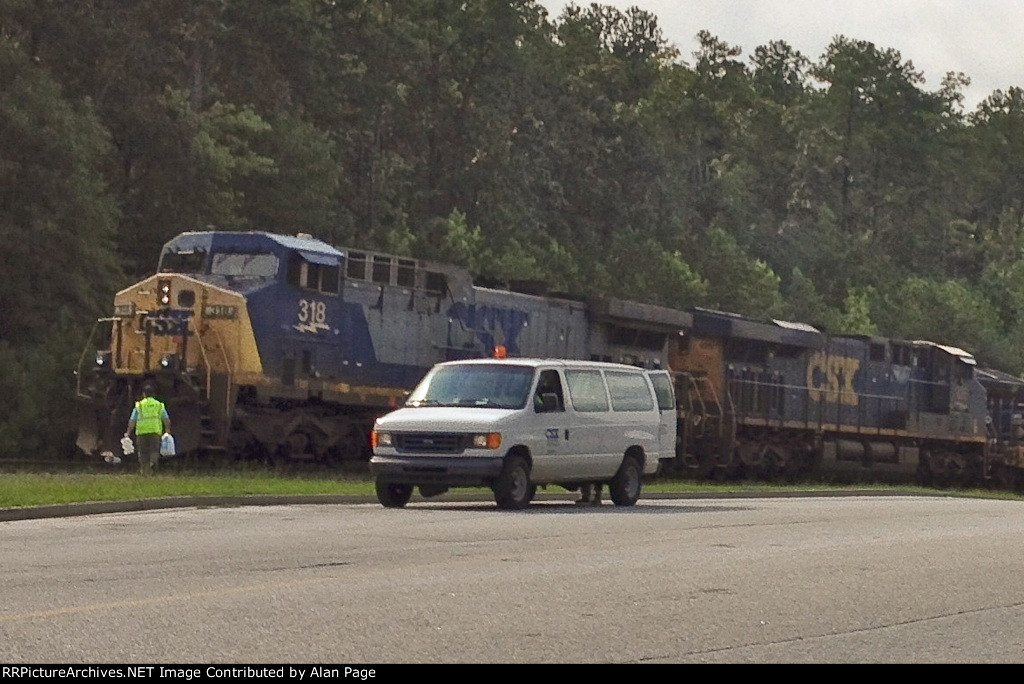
(625, 486)
(393, 495)
(512, 489)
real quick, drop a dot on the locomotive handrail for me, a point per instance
(695, 384)
(231, 373)
(206, 360)
(85, 349)
(830, 394)
(691, 390)
(718, 405)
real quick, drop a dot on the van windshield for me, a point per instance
(474, 385)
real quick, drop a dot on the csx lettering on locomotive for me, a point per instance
(169, 322)
(830, 379)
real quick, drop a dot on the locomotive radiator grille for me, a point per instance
(431, 442)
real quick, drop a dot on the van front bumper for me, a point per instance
(453, 471)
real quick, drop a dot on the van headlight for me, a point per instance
(379, 438)
(489, 440)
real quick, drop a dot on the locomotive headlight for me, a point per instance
(168, 361)
(490, 440)
(163, 292)
(378, 438)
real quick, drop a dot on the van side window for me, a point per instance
(587, 390)
(550, 383)
(629, 392)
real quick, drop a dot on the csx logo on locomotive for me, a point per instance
(488, 320)
(830, 379)
(167, 322)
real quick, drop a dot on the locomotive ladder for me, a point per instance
(208, 437)
(703, 417)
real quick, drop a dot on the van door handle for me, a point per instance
(566, 435)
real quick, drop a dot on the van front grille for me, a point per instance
(430, 442)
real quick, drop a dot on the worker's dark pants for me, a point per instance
(149, 452)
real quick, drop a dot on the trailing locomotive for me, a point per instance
(771, 398)
(286, 348)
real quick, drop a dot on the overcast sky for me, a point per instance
(981, 38)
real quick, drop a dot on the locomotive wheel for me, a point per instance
(393, 495)
(352, 447)
(1007, 477)
(771, 465)
(708, 466)
(733, 470)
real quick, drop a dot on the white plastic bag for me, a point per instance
(167, 445)
(127, 446)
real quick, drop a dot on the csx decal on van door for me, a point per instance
(830, 379)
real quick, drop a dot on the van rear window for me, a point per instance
(629, 392)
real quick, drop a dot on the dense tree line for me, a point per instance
(583, 150)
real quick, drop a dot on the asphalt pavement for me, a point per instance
(454, 496)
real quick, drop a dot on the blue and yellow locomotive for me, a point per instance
(285, 347)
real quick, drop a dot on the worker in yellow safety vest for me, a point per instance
(150, 421)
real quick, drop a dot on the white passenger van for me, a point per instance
(516, 424)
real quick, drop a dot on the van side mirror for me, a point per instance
(548, 402)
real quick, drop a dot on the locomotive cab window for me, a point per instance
(318, 272)
(244, 265)
(192, 261)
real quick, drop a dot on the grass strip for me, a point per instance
(40, 489)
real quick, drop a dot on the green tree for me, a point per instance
(57, 222)
(759, 182)
(947, 312)
(876, 142)
(736, 281)
(56, 216)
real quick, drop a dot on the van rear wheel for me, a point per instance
(627, 483)
(393, 495)
(512, 489)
